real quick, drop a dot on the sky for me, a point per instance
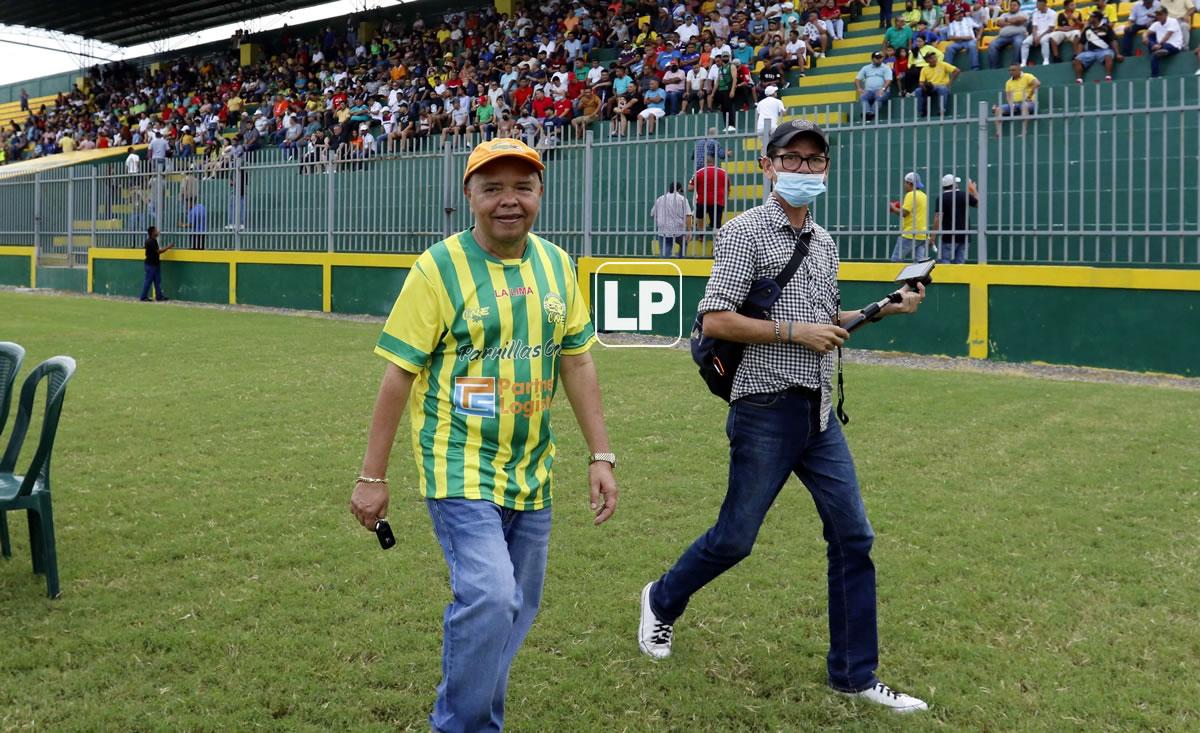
(21, 62)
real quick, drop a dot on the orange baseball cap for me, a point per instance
(501, 147)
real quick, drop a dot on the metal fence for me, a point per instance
(1099, 175)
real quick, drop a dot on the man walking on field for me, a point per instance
(779, 419)
(487, 322)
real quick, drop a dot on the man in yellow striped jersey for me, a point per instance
(486, 323)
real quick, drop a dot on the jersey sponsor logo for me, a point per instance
(479, 397)
(513, 292)
(515, 349)
(555, 307)
(475, 315)
(475, 396)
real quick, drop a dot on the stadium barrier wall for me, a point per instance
(1120, 318)
(320, 281)
(1117, 318)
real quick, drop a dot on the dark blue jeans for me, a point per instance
(772, 436)
(153, 276)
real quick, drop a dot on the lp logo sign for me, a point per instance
(644, 298)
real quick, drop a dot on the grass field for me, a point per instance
(1037, 549)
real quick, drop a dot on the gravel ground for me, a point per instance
(852, 356)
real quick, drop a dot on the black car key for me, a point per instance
(383, 531)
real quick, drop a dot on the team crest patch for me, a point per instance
(475, 396)
(475, 315)
(555, 307)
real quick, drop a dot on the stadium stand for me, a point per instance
(356, 85)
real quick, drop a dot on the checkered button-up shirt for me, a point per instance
(758, 244)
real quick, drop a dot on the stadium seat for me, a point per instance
(31, 491)
(11, 356)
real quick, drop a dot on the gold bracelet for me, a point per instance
(369, 480)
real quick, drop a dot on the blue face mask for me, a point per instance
(800, 189)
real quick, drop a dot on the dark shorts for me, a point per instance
(712, 213)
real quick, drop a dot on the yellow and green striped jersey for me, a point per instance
(484, 337)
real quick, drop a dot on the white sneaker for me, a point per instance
(895, 701)
(731, 128)
(654, 637)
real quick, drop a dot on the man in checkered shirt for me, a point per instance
(779, 419)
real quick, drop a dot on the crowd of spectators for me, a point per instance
(911, 60)
(530, 74)
(534, 74)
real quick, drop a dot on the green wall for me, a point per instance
(1139, 330)
(117, 277)
(370, 290)
(14, 270)
(280, 286)
(939, 327)
(206, 282)
(63, 278)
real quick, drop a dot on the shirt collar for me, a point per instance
(779, 218)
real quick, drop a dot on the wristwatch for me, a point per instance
(609, 458)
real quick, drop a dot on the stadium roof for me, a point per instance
(130, 22)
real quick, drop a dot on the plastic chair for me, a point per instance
(31, 491)
(11, 356)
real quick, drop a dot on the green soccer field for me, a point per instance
(1036, 552)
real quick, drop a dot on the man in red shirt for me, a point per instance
(542, 105)
(563, 112)
(711, 185)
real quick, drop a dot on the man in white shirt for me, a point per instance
(696, 92)
(769, 109)
(719, 24)
(963, 33)
(721, 49)
(574, 47)
(672, 216)
(1043, 20)
(688, 30)
(1141, 17)
(1165, 38)
(133, 163)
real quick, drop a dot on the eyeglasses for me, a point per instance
(793, 162)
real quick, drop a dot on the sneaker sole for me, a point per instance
(641, 620)
(854, 697)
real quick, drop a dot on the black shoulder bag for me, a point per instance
(718, 359)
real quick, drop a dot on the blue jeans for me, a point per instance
(951, 252)
(1129, 36)
(1155, 60)
(923, 100)
(772, 436)
(971, 47)
(237, 210)
(667, 244)
(153, 276)
(674, 102)
(998, 45)
(872, 99)
(908, 250)
(497, 562)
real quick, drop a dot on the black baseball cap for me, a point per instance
(785, 133)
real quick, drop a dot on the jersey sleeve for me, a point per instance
(416, 324)
(580, 334)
